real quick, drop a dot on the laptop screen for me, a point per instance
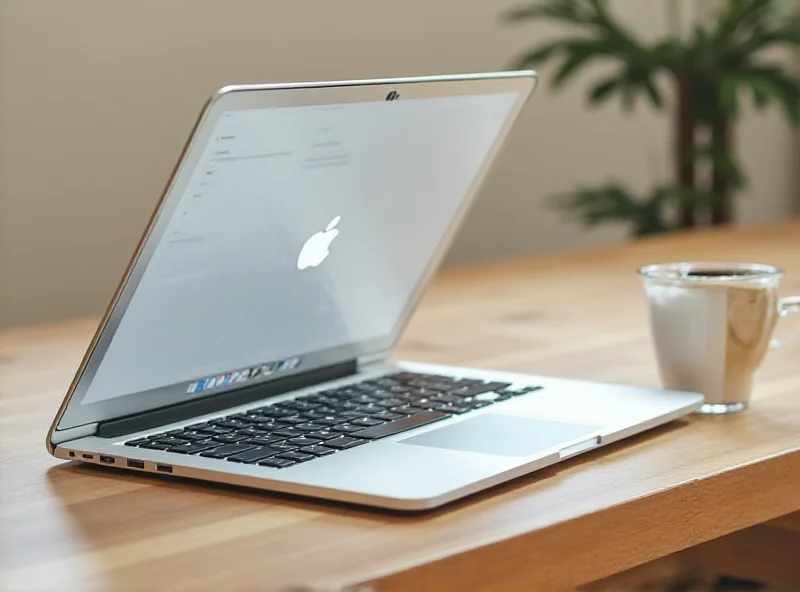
(299, 234)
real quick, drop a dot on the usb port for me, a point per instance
(135, 464)
(89, 456)
(107, 459)
(164, 468)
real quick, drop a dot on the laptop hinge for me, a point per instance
(183, 411)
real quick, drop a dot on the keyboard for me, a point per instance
(284, 434)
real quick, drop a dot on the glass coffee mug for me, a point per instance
(712, 325)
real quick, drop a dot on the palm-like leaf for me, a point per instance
(651, 214)
(603, 39)
(713, 70)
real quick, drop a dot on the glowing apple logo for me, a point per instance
(317, 248)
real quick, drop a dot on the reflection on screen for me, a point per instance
(301, 229)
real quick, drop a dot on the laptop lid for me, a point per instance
(298, 230)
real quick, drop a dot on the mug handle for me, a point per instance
(786, 306)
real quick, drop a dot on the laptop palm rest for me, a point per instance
(505, 435)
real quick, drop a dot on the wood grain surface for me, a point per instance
(66, 527)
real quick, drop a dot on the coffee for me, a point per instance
(712, 338)
(712, 325)
(718, 273)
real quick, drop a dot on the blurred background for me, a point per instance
(98, 96)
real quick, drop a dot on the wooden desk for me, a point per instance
(581, 315)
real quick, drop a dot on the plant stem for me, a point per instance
(722, 208)
(684, 144)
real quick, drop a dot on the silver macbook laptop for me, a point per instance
(249, 340)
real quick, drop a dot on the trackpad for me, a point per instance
(503, 435)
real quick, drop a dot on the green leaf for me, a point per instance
(739, 15)
(727, 96)
(565, 12)
(570, 66)
(538, 56)
(769, 83)
(602, 90)
(652, 92)
(730, 167)
(763, 92)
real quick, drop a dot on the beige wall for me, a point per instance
(97, 96)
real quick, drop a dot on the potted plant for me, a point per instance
(710, 71)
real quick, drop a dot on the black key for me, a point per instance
(452, 408)
(170, 441)
(264, 440)
(155, 446)
(136, 442)
(330, 421)
(257, 420)
(197, 426)
(296, 456)
(227, 450)
(349, 406)
(255, 455)
(284, 447)
(276, 412)
(369, 409)
(526, 390)
(387, 416)
(289, 432)
(367, 422)
(346, 428)
(406, 410)
(311, 426)
(267, 426)
(193, 437)
(312, 415)
(324, 435)
(193, 447)
(344, 442)
(423, 403)
(389, 403)
(447, 398)
(245, 417)
(230, 438)
(475, 389)
(302, 441)
(318, 450)
(214, 430)
(229, 423)
(382, 394)
(367, 387)
(253, 432)
(351, 414)
(173, 432)
(362, 399)
(301, 405)
(468, 381)
(472, 405)
(398, 389)
(401, 425)
(276, 463)
(502, 398)
(291, 420)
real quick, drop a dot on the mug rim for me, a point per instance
(762, 271)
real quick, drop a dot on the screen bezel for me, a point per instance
(72, 413)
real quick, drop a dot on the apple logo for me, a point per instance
(316, 249)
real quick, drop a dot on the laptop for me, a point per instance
(249, 341)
